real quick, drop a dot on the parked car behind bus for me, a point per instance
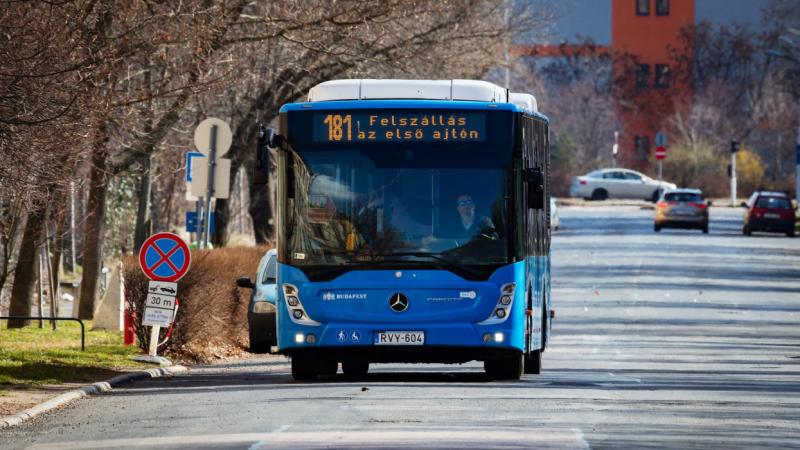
(261, 311)
(618, 183)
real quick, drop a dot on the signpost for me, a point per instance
(661, 150)
(211, 175)
(165, 259)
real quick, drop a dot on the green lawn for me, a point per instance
(32, 356)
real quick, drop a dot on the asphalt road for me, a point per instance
(673, 340)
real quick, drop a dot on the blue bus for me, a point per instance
(412, 226)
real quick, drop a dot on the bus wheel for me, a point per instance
(328, 367)
(505, 368)
(355, 369)
(533, 362)
(304, 368)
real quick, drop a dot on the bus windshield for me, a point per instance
(379, 205)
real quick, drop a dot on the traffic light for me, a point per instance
(734, 146)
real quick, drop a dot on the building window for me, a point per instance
(662, 76)
(642, 146)
(643, 76)
(642, 7)
(662, 7)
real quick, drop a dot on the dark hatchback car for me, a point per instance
(769, 211)
(682, 208)
(261, 311)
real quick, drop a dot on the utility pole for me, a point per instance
(734, 149)
(506, 54)
(72, 226)
(212, 165)
(797, 157)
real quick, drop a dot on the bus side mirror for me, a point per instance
(267, 138)
(535, 180)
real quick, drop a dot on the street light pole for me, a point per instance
(797, 157)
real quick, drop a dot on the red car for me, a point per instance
(769, 211)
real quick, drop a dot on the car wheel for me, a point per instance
(355, 369)
(790, 233)
(655, 196)
(599, 194)
(705, 229)
(257, 344)
(656, 228)
(505, 368)
(304, 368)
(747, 231)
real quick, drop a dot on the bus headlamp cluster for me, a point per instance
(297, 313)
(503, 307)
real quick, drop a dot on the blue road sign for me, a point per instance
(164, 257)
(189, 157)
(191, 222)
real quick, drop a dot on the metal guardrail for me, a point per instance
(83, 328)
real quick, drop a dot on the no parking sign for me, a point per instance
(165, 257)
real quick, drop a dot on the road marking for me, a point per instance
(416, 437)
(260, 444)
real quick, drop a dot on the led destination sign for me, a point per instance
(394, 126)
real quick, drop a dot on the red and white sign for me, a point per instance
(165, 257)
(661, 153)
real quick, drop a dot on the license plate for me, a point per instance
(400, 338)
(772, 216)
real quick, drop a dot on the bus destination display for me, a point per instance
(388, 126)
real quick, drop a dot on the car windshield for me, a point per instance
(683, 197)
(358, 206)
(773, 202)
(270, 271)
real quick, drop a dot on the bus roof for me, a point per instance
(366, 93)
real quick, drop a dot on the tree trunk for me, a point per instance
(145, 183)
(96, 214)
(25, 272)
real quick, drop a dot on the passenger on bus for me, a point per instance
(470, 225)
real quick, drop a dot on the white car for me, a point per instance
(555, 221)
(618, 183)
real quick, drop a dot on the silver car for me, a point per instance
(618, 183)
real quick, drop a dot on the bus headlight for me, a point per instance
(503, 307)
(297, 313)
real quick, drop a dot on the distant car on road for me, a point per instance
(769, 211)
(555, 221)
(618, 183)
(261, 311)
(682, 208)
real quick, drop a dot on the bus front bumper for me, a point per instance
(442, 342)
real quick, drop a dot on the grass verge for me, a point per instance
(32, 356)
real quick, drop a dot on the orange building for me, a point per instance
(641, 36)
(648, 31)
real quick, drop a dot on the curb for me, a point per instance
(94, 388)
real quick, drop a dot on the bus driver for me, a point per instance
(469, 226)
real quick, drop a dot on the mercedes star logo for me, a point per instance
(398, 302)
